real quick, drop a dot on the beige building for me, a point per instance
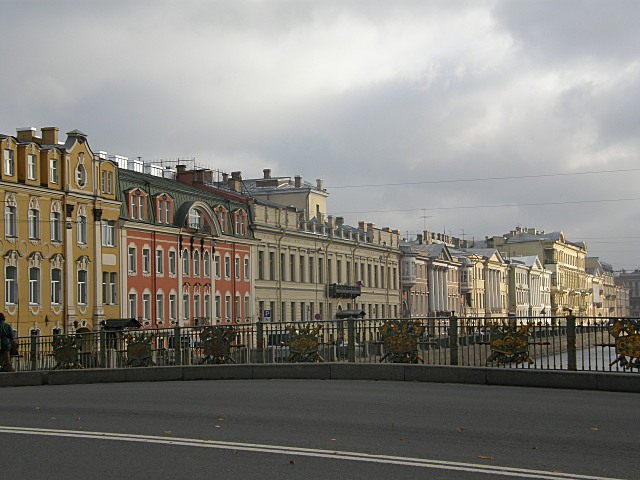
(484, 282)
(433, 283)
(570, 286)
(310, 265)
(529, 288)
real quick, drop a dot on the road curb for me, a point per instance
(616, 382)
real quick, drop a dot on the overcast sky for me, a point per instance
(470, 117)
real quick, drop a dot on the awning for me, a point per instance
(120, 323)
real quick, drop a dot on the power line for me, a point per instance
(466, 207)
(485, 179)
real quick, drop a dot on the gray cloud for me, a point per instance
(357, 93)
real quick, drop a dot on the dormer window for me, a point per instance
(163, 209)
(136, 205)
(9, 163)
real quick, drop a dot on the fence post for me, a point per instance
(103, 348)
(572, 363)
(351, 339)
(33, 354)
(453, 339)
(177, 345)
(259, 342)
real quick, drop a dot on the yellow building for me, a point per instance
(59, 198)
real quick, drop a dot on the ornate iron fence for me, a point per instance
(560, 343)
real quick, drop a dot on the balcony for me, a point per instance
(337, 290)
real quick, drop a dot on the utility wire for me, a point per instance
(485, 179)
(466, 207)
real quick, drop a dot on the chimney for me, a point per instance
(361, 226)
(319, 184)
(26, 134)
(50, 135)
(420, 239)
(371, 226)
(181, 169)
(266, 172)
(235, 183)
(225, 178)
(298, 181)
(339, 221)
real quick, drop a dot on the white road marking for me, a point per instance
(306, 452)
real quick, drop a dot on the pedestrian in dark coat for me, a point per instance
(6, 339)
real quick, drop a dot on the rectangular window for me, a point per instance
(302, 271)
(82, 287)
(292, 267)
(34, 224)
(186, 314)
(34, 286)
(10, 221)
(216, 265)
(108, 233)
(237, 267)
(197, 313)
(53, 170)
(246, 269)
(227, 307)
(159, 306)
(218, 307)
(105, 288)
(146, 306)
(56, 286)
(238, 311)
(56, 227)
(320, 270)
(207, 306)
(227, 267)
(107, 182)
(246, 308)
(9, 163)
(10, 285)
(146, 261)
(113, 288)
(272, 265)
(32, 167)
(172, 306)
(172, 262)
(260, 265)
(132, 260)
(159, 262)
(133, 306)
(82, 230)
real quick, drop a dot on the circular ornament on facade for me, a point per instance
(23, 248)
(46, 250)
(81, 176)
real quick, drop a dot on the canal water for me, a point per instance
(593, 359)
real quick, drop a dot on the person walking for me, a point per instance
(6, 339)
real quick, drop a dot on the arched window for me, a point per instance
(196, 263)
(185, 262)
(206, 262)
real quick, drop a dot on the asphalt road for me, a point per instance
(292, 429)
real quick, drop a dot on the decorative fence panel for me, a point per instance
(562, 343)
